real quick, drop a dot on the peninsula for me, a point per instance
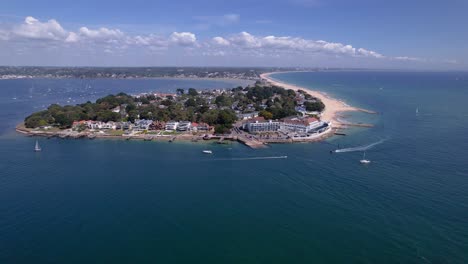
(257, 114)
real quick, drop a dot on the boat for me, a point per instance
(37, 148)
(417, 110)
(364, 160)
(207, 151)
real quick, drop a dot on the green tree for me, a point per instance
(221, 129)
(267, 115)
(192, 92)
(223, 100)
(314, 106)
(190, 103)
(226, 118)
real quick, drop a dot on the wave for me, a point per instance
(360, 148)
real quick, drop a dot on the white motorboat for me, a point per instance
(207, 151)
(37, 148)
(364, 160)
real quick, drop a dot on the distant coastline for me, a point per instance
(333, 106)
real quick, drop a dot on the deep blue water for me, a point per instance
(111, 201)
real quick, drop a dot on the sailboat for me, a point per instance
(364, 160)
(37, 148)
(417, 110)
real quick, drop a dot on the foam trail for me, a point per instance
(360, 148)
(257, 158)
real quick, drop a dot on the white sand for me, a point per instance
(332, 105)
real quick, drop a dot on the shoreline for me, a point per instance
(333, 106)
(254, 143)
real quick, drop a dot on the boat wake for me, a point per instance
(257, 158)
(360, 148)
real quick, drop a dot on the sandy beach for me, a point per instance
(332, 106)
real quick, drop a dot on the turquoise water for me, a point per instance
(111, 201)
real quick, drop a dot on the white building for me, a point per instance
(300, 125)
(172, 125)
(184, 126)
(101, 125)
(143, 124)
(116, 109)
(108, 125)
(256, 126)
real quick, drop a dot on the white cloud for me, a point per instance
(214, 53)
(183, 38)
(369, 53)
(294, 44)
(151, 40)
(72, 37)
(32, 28)
(220, 41)
(245, 39)
(51, 35)
(405, 58)
(101, 33)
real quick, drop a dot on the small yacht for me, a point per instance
(207, 151)
(364, 160)
(37, 148)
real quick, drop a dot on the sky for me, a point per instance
(381, 34)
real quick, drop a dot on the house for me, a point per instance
(116, 109)
(203, 127)
(108, 125)
(94, 124)
(143, 124)
(184, 126)
(79, 124)
(172, 125)
(157, 125)
(302, 109)
(126, 125)
(194, 126)
(246, 116)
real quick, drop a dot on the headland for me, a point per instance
(333, 106)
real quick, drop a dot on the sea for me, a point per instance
(115, 201)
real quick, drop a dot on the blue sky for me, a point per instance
(407, 34)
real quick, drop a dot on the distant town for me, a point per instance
(248, 73)
(255, 115)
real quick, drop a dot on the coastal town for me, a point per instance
(255, 115)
